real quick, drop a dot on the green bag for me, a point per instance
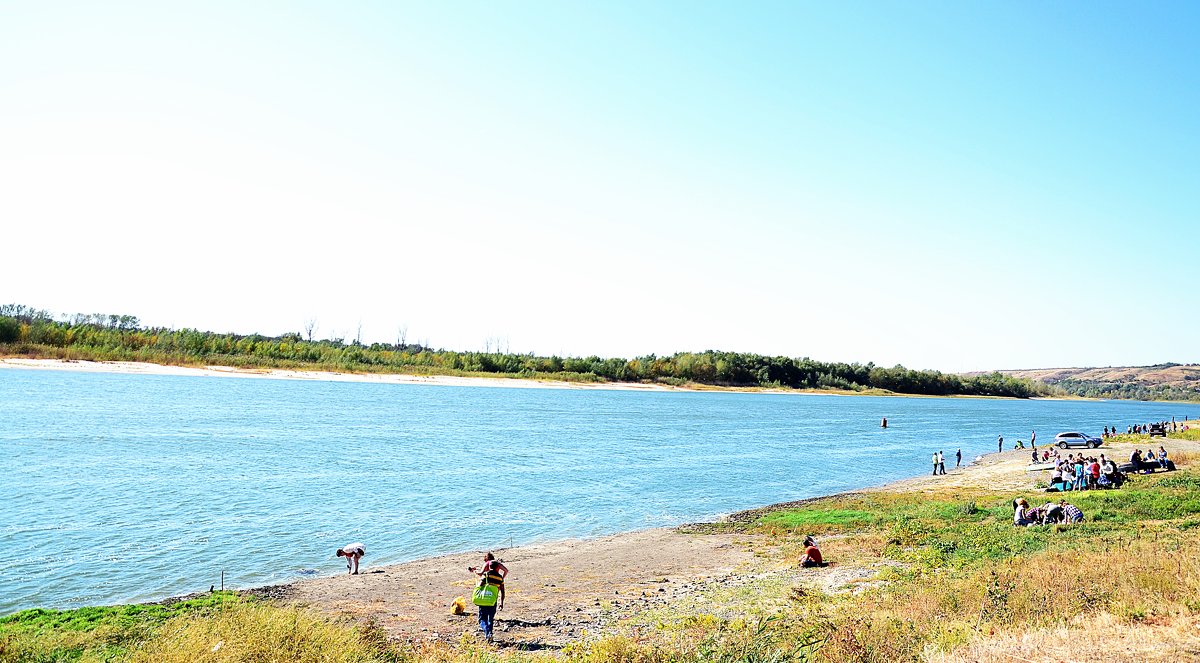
(486, 595)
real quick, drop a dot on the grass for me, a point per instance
(250, 632)
(102, 633)
(962, 583)
(968, 574)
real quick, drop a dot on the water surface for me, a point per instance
(133, 487)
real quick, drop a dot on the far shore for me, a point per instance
(144, 368)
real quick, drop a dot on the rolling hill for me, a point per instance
(1158, 382)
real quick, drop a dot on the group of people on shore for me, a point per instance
(1079, 472)
(1050, 513)
(939, 461)
(1150, 461)
(1143, 429)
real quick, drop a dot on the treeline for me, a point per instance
(26, 331)
(1129, 390)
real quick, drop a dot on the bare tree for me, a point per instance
(310, 325)
(402, 335)
(358, 334)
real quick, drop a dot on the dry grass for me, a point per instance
(1098, 637)
(267, 634)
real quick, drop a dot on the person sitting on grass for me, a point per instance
(1071, 513)
(1021, 513)
(812, 554)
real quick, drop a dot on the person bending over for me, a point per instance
(1071, 513)
(352, 553)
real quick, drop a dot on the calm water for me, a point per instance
(132, 487)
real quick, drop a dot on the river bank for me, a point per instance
(926, 568)
(560, 591)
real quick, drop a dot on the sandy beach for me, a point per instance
(559, 592)
(145, 368)
(142, 368)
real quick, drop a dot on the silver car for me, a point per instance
(1064, 440)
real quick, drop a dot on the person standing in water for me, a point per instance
(352, 553)
(1000, 444)
(958, 458)
(884, 424)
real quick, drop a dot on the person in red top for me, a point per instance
(495, 571)
(1094, 468)
(812, 554)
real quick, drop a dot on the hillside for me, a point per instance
(1158, 382)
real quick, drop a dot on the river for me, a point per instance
(120, 488)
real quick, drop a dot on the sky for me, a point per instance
(957, 186)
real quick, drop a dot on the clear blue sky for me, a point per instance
(957, 186)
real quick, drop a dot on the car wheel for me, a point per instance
(1062, 445)
(1092, 445)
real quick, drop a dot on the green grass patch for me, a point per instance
(963, 530)
(104, 633)
(810, 517)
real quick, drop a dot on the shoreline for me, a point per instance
(278, 590)
(564, 590)
(555, 585)
(146, 368)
